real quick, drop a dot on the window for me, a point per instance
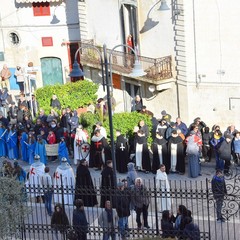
(14, 38)
(47, 41)
(41, 9)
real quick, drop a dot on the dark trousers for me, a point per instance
(206, 152)
(227, 164)
(219, 204)
(144, 211)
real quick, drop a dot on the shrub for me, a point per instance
(123, 121)
(75, 95)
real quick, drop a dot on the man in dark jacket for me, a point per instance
(123, 209)
(225, 151)
(219, 190)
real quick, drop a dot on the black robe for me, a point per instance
(107, 187)
(156, 161)
(146, 162)
(180, 166)
(121, 153)
(96, 148)
(84, 186)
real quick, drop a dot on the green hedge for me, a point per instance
(75, 95)
(122, 121)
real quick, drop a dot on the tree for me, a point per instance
(13, 207)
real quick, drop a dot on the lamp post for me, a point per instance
(106, 66)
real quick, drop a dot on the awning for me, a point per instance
(35, 1)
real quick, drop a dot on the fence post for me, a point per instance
(208, 212)
(63, 205)
(155, 202)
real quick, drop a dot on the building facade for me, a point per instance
(188, 48)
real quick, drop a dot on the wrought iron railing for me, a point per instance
(196, 196)
(122, 62)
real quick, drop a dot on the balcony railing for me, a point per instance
(122, 62)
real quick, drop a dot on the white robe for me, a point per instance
(80, 137)
(138, 156)
(34, 183)
(164, 201)
(64, 184)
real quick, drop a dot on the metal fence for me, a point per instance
(195, 195)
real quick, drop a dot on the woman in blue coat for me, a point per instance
(12, 146)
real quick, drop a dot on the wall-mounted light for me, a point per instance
(163, 6)
(149, 23)
(152, 88)
(55, 20)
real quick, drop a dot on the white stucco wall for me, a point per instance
(104, 22)
(159, 40)
(31, 29)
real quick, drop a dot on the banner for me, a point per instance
(52, 149)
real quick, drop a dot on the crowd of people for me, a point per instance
(173, 144)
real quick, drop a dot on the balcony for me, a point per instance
(158, 69)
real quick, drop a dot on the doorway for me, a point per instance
(51, 68)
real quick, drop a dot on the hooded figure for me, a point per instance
(40, 149)
(35, 173)
(84, 186)
(160, 152)
(99, 150)
(3, 137)
(12, 147)
(131, 175)
(64, 177)
(59, 220)
(121, 153)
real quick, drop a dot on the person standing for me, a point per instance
(3, 137)
(219, 190)
(5, 75)
(12, 141)
(62, 150)
(55, 102)
(140, 200)
(123, 209)
(99, 151)
(176, 153)
(107, 184)
(59, 221)
(137, 104)
(79, 139)
(64, 177)
(163, 186)
(194, 145)
(19, 73)
(84, 185)
(160, 152)
(142, 152)
(121, 152)
(225, 153)
(80, 223)
(40, 149)
(12, 113)
(108, 220)
(35, 173)
(48, 190)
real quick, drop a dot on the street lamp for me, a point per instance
(106, 66)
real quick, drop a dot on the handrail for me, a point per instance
(122, 62)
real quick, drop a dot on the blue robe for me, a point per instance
(63, 151)
(3, 147)
(31, 151)
(24, 150)
(12, 147)
(41, 151)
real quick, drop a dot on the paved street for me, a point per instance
(203, 212)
